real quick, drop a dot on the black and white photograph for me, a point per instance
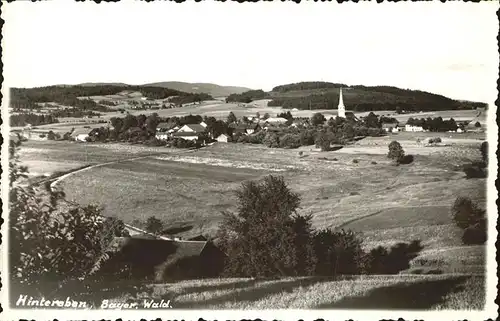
(227, 161)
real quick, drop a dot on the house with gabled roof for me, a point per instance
(160, 260)
(245, 129)
(165, 129)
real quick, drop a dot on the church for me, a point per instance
(341, 107)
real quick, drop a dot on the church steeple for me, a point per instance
(341, 107)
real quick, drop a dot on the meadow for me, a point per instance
(377, 292)
(190, 189)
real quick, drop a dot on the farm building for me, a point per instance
(246, 129)
(413, 128)
(161, 260)
(222, 138)
(80, 134)
(165, 129)
(186, 135)
(276, 120)
(192, 128)
(390, 127)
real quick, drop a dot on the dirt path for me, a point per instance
(79, 170)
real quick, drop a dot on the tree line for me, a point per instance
(68, 95)
(24, 119)
(436, 124)
(247, 96)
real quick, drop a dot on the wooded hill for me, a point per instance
(325, 95)
(68, 95)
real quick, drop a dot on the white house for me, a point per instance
(276, 120)
(389, 127)
(413, 128)
(186, 135)
(191, 128)
(81, 137)
(203, 124)
(165, 129)
(189, 132)
(222, 138)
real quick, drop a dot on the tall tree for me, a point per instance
(266, 237)
(231, 118)
(396, 151)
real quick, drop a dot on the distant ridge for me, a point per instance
(213, 90)
(208, 88)
(101, 84)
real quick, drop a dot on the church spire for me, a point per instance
(341, 107)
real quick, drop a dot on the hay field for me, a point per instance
(409, 292)
(387, 203)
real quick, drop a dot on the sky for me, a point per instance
(450, 49)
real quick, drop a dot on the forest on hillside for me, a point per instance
(364, 98)
(68, 95)
(247, 96)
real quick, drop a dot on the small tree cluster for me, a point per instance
(396, 151)
(154, 225)
(266, 237)
(471, 218)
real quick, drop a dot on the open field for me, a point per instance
(386, 203)
(410, 292)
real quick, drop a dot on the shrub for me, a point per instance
(484, 151)
(154, 225)
(271, 140)
(475, 234)
(466, 213)
(435, 140)
(355, 161)
(407, 159)
(394, 260)
(477, 124)
(337, 252)
(289, 141)
(475, 171)
(374, 163)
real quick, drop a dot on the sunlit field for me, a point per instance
(359, 292)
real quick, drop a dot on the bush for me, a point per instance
(337, 252)
(466, 213)
(475, 234)
(271, 140)
(289, 141)
(373, 163)
(396, 151)
(355, 161)
(484, 151)
(475, 171)
(407, 159)
(435, 140)
(154, 225)
(392, 261)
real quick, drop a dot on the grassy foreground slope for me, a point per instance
(360, 292)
